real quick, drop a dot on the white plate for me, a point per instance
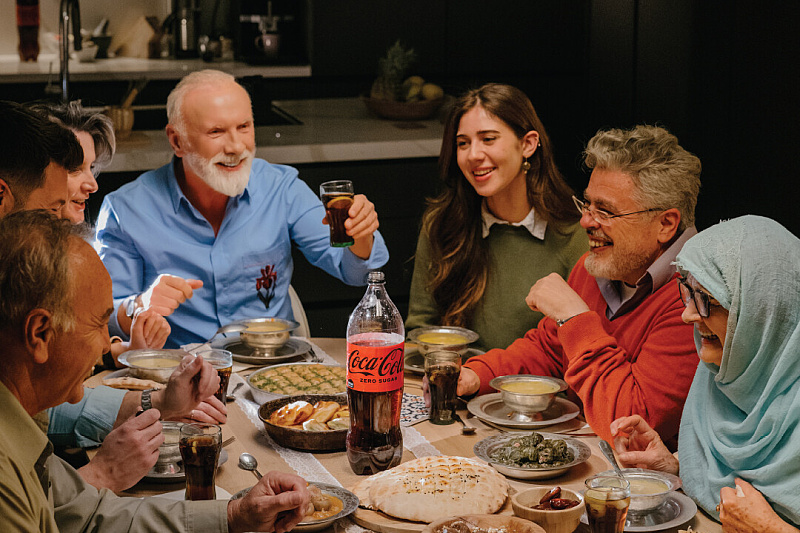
(180, 476)
(490, 408)
(415, 361)
(293, 349)
(349, 504)
(485, 447)
(676, 511)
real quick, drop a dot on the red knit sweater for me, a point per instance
(641, 362)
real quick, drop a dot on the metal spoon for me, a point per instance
(228, 328)
(609, 453)
(248, 462)
(465, 429)
(231, 397)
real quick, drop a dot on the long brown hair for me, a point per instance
(459, 256)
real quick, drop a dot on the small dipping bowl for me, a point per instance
(169, 454)
(308, 525)
(266, 335)
(527, 394)
(649, 488)
(157, 365)
(552, 520)
(448, 338)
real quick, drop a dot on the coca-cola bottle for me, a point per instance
(28, 28)
(375, 337)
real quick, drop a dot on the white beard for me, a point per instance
(224, 182)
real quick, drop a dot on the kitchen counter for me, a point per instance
(332, 130)
(127, 68)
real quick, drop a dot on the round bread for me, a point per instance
(430, 488)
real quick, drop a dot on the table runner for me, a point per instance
(304, 463)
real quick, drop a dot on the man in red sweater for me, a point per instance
(613, 331)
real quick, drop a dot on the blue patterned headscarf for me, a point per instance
(742, 418)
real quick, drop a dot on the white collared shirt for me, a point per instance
(536, 226)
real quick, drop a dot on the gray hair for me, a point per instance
(664, 174)
(35, 267)
(192, 81)
(73, 116)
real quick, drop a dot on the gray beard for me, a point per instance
(619, 267)
(227, 183)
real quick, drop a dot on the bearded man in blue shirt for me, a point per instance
(206, 239)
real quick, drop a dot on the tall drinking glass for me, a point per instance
(607, 499)
(222, 361)
(442, 369)
(200, 445)
(337, 197)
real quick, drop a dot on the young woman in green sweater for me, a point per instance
(503, 220)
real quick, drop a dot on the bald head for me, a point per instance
(201, 81)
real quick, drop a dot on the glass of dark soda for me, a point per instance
(222, 361)
(442, 369)
(337, 197)
(200, 445)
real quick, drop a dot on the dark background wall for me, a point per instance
(722, 76)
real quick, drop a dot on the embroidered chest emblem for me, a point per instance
(265, 285)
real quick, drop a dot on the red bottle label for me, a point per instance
(373, 368)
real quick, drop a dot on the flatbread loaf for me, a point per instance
(127, 382)
(430, 488)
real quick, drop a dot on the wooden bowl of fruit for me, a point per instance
(399, 110)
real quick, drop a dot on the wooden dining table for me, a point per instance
(447, 439)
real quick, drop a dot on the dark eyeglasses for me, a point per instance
(601, 215)
(702, 300)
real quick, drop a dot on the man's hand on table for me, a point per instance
(276, 503)
(189, 393)
(127, 454)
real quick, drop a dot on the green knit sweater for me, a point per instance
(518, 260)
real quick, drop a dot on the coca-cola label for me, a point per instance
(374, 368)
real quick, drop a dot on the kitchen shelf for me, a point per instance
(127, 68)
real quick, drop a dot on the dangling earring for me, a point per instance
(526, 166)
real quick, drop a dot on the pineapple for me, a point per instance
(391, 73)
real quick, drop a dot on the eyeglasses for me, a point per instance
(601, 215)
(702, 300)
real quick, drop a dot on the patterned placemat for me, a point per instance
(413, 410)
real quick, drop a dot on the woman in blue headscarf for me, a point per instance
(739, 441)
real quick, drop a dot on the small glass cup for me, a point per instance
(442, 369)
(607, 499)
(222, 361)
(337, 197)
(200, 445)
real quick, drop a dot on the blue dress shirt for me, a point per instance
(149, 227)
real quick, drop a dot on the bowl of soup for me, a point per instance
(449, 338)
(265, 335)
(649, 488)
(157, 365)
(528, 394)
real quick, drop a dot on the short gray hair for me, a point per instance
(35, 267)
(73, 116)
(192, 81)
(665, 175)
